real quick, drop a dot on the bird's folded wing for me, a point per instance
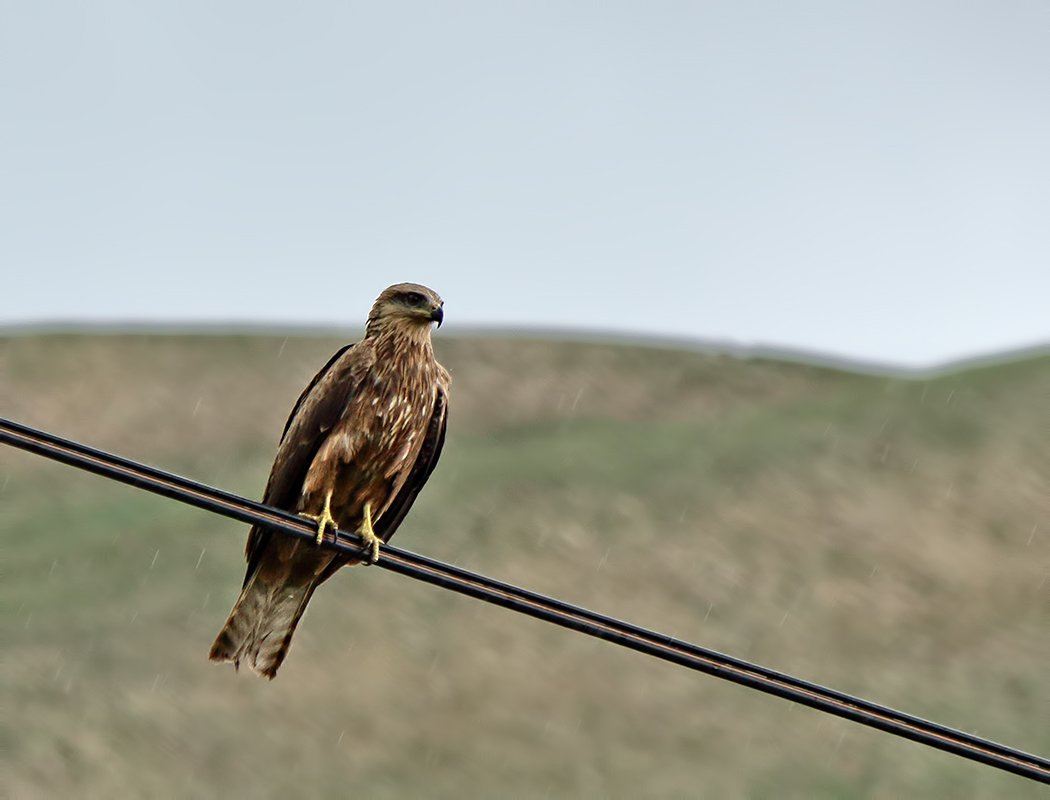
(316, 412)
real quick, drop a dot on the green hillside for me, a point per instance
(886, 537)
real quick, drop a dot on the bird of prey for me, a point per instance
(356, 450)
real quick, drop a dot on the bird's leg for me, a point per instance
(324, 519)
(371, 541)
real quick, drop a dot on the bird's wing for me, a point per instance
(310, 387)
(315, 413)
(429, 452)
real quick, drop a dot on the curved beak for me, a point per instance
(437, 315)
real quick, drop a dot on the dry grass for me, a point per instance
(886, 537)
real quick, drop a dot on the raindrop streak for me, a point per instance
(951, 394)
(575, 402)
(604, 559)
(201, 558)
(197, 407)
(837, 746)
(1032, 534)
(154, 561)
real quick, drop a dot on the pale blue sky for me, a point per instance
(870, 180)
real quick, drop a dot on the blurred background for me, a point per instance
(746, 317)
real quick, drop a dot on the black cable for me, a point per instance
(535, 605)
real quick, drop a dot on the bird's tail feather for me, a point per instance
(259, 630)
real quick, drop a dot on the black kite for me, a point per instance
(357, 448)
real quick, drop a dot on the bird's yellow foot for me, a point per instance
(371, 541)
(324, 519)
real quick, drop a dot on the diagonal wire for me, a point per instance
(535, 605)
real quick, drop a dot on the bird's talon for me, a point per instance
(370, 542)
(322, 524)
(324, 519)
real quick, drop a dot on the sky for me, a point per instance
(869, 180)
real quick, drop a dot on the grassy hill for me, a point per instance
(887, 537)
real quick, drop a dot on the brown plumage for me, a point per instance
(359, 444)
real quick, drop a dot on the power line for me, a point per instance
(535, 605)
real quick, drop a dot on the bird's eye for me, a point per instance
(414, 298)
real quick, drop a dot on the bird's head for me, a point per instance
(408, 307)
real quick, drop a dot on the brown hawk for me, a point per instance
(356, 450)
